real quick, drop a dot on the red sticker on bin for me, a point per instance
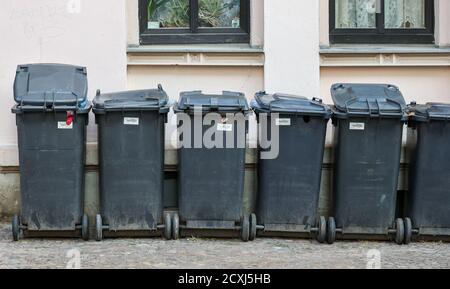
(69, 118)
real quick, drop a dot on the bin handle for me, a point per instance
(45, 107)
(349, 111)
(273, 107)
(283, 110)
(117, 105)
(390, 114)
(213, 105)
(370, 112)
(41, 108)
(439, 116)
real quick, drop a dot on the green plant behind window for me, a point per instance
(177, 14)
(210, 11)
(153, 7)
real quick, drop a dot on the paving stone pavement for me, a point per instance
(214, 253)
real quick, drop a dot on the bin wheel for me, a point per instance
(85, 228)
(331, 230)
(98, 228)
(400, 231)
(176, 226)
(408, 231)
(322, 230)
(16, 228)
(167, 226)
(245, 228)
(253, 224)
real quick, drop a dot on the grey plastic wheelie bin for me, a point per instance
(131, 128)
(428, 199)
(289, 184)
(51, 116)
(211, 177)
(368, 121)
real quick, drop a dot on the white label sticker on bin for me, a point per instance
(357, 126)
(64, 125)
(283, 121)
(131, 121)
(225, 127)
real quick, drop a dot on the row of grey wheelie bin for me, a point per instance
(368, 120)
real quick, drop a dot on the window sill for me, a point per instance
(195, 48)
(196, 55)
(384, 55)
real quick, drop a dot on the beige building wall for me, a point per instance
(442, 32)
(81, 32)
(292, 47)
(61, 31)
(212, 79)
(424, 84)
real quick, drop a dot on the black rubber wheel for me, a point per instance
(331, 230)
(400, 231)
(15, 226)
(98, 228)
(175, 226)
(245, 228)
(253, 224)
(408, 231)
(167, 226)
(321, 230)
(85, 228)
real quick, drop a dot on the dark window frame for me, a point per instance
(381, 35)
(195, 34)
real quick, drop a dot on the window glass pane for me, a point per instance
(354, 14)
(405, 14)
(219, 13)
(168, 14)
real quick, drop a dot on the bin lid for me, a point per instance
(372, 100)
(430, 111)
(286, 103)
(51, 85)
(148, 99)
(226, 102)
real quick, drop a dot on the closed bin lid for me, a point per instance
(51, 85)
(148, 99)
(289, 104)
(226, 102)
(430, 111)
(370, 100)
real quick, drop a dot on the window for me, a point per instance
(382, 21)
(194, 21)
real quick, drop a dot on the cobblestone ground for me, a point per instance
(211, 253)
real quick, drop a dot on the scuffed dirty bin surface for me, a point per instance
(211, 253)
